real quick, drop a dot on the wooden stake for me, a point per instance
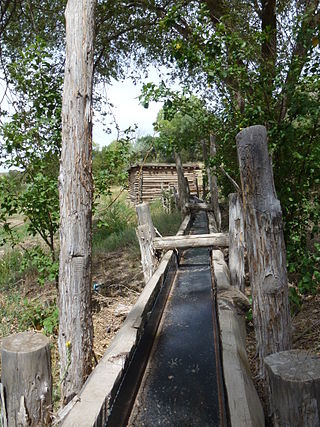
(236, 242)
(26, 378)
(265, 245)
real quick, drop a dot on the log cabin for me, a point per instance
(148, 181)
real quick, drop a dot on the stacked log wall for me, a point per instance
(148, 183)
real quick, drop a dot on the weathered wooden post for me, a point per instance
(26, 378)
(182, 189)
(146, 233)
(265, 245)
(294, 381)
(213, 185)
(212, 180)
(236, 242)
(76, 192)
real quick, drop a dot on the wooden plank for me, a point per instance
(196, 207)
(193, 241)
(244, 405)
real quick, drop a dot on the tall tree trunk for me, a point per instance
(309, 23)
(265, 245)
(75, 180)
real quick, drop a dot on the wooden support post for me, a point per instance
(187, 187)
(146, 233)
(182, 189)
(236, 242)
(213, 185)
(196, 184)
(265, 245)
(26, 378)
(294, 381)
(205, 175)
(212, 179)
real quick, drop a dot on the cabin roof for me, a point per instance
(165, 165)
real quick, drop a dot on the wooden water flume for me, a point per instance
(255, 230)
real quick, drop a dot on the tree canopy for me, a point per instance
(249, 62)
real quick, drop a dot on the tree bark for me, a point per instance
(236, 242)
(76, 330)
(26, 378)
(294, 381)
(265, 245)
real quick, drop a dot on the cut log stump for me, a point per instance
(26, 378)
(294, 381)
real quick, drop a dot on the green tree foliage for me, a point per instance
(253, 62)
(31, 142)
(144, 150)
(182, 123)
(110, 164)
(257, 62)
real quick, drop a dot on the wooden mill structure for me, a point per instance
(148, 181)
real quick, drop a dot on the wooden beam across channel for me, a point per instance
(191, 241)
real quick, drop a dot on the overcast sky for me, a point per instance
(127, 111)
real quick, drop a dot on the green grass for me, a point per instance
(104, 242)
(10, 311)
(10, 264)
(118, 226)
(166, 224)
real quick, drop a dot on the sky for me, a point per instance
(127, 111)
